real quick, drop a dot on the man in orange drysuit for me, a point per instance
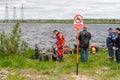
(60, 44)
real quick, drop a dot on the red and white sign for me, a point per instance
(78, 21)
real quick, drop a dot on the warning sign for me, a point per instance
(78, 21)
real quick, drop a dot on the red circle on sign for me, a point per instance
(78, 18)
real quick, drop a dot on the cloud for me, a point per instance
(63, 9)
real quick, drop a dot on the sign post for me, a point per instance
(78, 24)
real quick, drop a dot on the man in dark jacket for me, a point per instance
(84, 38)
(110, 41)
(117, 45)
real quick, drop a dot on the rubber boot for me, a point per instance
(111, 59)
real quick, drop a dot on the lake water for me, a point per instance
(41, 34)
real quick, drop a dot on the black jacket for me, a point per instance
(117, 42)
(84, 38)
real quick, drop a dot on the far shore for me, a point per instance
(86, 21)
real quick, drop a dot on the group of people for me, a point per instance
(112, 42)
(84, 38)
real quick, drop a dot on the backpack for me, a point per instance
(85, 37)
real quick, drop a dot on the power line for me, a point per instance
(6, 19)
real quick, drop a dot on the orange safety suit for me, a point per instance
(60, 44)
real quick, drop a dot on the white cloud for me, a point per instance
(64, 9)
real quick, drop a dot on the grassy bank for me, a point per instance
(16, 63)
(23, 68)
(86, 21)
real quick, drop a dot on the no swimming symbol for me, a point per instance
(78, 18)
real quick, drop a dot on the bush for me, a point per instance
(13, 42)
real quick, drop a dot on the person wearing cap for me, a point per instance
(117, 45)
(60, 45)
(110, 42)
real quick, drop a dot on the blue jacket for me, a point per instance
(110, 41)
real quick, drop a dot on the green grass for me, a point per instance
(97, 68)
(15, 77)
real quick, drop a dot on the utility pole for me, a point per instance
(22, 12)
(6, 19)
(14, 14)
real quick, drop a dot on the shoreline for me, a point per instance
(86, 21)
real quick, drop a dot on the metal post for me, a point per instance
(77, 44)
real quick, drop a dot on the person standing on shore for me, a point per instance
(60, 45)
(117, 45)
(84, 40)
(110, 42)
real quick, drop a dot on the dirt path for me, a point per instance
(32, 74)
(81, 77)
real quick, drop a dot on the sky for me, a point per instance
(61, 9)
